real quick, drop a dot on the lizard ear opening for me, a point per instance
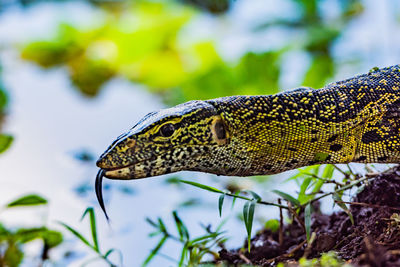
(219, 131)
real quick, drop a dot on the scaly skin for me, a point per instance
(356, 120)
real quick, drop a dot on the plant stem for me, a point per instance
(338, 190)
(258, 201)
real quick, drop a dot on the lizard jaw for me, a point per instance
(123, 173)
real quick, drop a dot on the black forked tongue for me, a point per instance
(99, 192)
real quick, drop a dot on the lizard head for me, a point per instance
(189, 136)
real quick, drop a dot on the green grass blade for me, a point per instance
(328, 171)
(303, 197)
(287, 197)
(248, 215)
(338, 200)
(245, 212)
(182, 229)
(162, 226)
(202, 238)
(77, 234)
(152, 223)
(307, 220)
(183, 255)
(234, 199)
(154, 251)
(109, 252)
(28, 200)
(92, 219)
(220, 204)
(254, 194)
(202, 186)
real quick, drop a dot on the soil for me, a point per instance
(373, 240)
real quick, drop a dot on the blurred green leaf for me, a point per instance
(339, 201)
(77, 234)
(92, 219)
(24, 235)
(52, 238)
(307, 220)
(248, 215)
(213, 6)
(28, 200)
(162, 226)
(221, 203)
(328, 172)
(13, 255)
(151, 222)
(182, 230)
(202, 186)
(287, 197)
(322, 68)
(108, 253)
(303, 197)
(154, 251)
(5, 142)
(3, 97)
(254, 194)
(272, 225)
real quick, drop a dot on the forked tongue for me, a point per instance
(99, 192)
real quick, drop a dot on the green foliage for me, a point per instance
(94, 244)
(12, 240)
(3, 94)
(307, 220)
(339, 201)
(329, 259)
(287, 197)
(248, 215)
(193, 249)
(5, 139)
(212, 6)
(310, 180)
(202, 186)
(145, 52)
(5, 142)
(28, 200)
(254, 74)
(272, 225)
(220, 204)
(152, 52)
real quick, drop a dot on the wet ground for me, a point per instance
(373, 239)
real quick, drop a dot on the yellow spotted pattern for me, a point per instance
(355, 120)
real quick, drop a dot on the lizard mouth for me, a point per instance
(112, 173)
(122, 173)
(133, 170)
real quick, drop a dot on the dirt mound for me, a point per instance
(373, 240)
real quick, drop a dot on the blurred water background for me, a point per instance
(77, 74)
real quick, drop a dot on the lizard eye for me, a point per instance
(220, 130)
(167, 130)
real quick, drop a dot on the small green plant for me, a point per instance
(12, 240)
(94, 245)
(193, 249)
(311, 181)
(329, 259)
